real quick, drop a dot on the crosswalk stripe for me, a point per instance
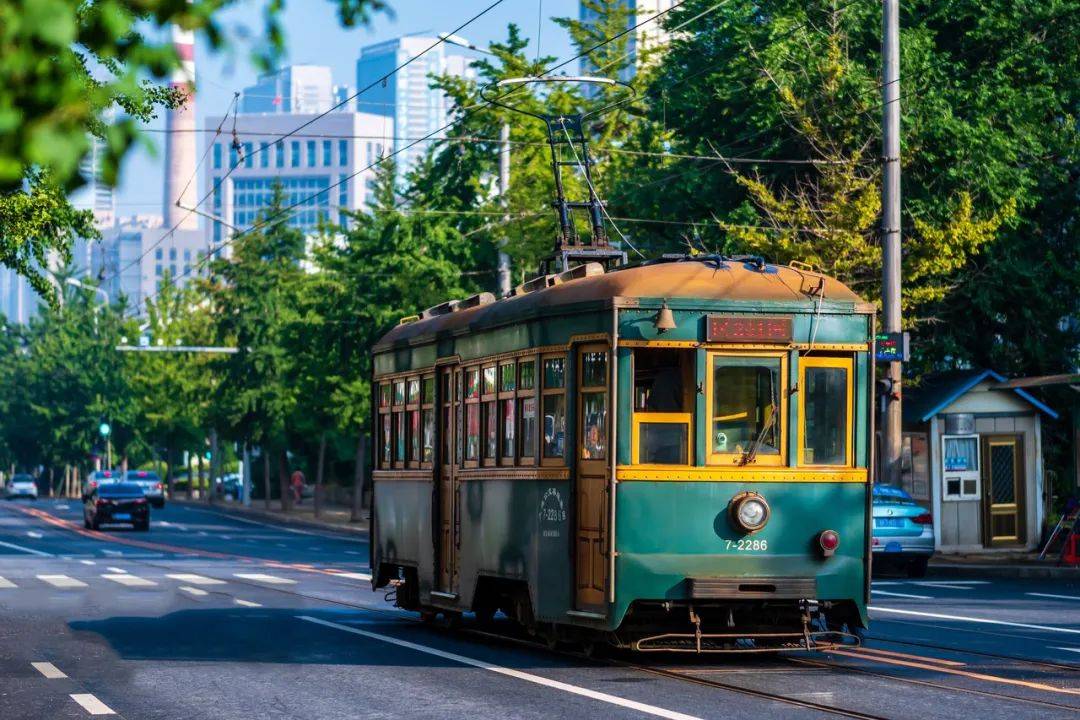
(117, 570)
(193, 591)
(195, 579)
(5, 583)
(130, 580)
(246, 603)
(49, 670)
(62, 581)
(91, 704)
(261, 577)
(88, 562)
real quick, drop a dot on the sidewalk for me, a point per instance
(1006, 564)
(332, 517)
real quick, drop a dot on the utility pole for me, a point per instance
(890, 232)
(504, 196)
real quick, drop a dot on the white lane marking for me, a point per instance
(195, 579)
(1066, 649)
(945, 585)
(282, 545)
(246, 603)
(117, 570)
(61, 507)
(901, 595)
(88, 562)
(49, 670)
(509, 672)
(352, 575)
(1055, 597)
(193, 591)
(226, 537)
(32, 551)
(130, 580)
(5, 583)
(263, 524)
(61, 581)
(203, 533)
(351, 552)
(35, 535)
(164, 523)
(964, 618)
(951, 582)
(314, 548)
(261, 577)
(112, 553)
(883, 583)
(91, 704)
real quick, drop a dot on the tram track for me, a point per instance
(981, 653)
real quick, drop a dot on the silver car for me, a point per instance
(903, 533)
(21, 486)
(151, 485)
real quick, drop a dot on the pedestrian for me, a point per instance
(297, 484)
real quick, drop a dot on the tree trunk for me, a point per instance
(283, 481)
(190, 478)
(202, 490)
(215, 465)
(319, 474)
(169, 471)
(266, 475)
(358, 478)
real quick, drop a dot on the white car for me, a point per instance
(21, 486)
(151, 485)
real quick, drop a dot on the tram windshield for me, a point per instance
(745, 417)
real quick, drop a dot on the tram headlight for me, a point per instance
(749, 512)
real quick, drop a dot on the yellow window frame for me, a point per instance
(844, 363)
(686, 419)
(713, 458)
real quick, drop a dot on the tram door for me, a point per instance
(448, 518)
(591, 481)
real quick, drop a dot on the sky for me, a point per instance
(314, 35)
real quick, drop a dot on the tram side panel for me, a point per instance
(402, 532)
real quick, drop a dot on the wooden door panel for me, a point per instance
(448, 485)
(591, 479)
(1003, 490)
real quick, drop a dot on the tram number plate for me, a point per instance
(749, 328)
(889, 522)
(747, 545)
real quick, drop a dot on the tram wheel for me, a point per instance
(428, 616)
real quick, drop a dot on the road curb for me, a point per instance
(360, 528)
(1043, 572)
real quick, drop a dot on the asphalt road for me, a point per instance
(218, 617)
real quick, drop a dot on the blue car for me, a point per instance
(903, 532)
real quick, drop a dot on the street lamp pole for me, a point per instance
(892, 439)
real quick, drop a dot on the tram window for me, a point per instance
(428, 395)
(663, 405)
(526, 375)
(472, 383)
(594, 410)
(384, 395)
(414, 391)
(399, 441)
(506, 377)
(428, 423)
(554, 425)
(663, 380)
(491, 430)
(508, 425)
(554, 373)
(387, 445)
(527, 432)
(594, 369)
(746, 416)
(472, 432)
(825, 411)
(489, 380)
(414, 435)
(399, 392)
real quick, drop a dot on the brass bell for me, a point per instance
(664, 320)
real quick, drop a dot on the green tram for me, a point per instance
(669, 455)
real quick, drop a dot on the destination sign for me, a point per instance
(749, 328)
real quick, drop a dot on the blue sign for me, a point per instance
(891, 347)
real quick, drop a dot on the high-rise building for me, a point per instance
(406, 95)
(650, 36)
(294, 89)
(322, 169)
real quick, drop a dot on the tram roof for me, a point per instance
(685, 280)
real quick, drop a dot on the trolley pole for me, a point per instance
(504, 196)
(890, 232)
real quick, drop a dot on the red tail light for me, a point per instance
(102, 501)
(93, 483)
(140, 501)
(159, 486)
(924, 519)
(829, 540)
